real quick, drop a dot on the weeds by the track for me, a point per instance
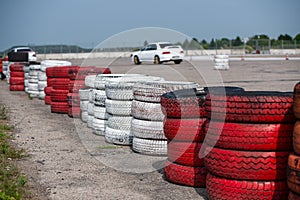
(12, 182)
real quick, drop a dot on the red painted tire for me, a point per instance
(47, 90)
(59, 71)
(47, 100)
(49, 82)
(185, 153)
(293, 173)
(59, 95)
(249, 137)
(251, 107)
(189, 130)
(73, 99)
(16, 87)
(60, 107)
(74, 112)
(296, 106)
(220, 188)
(296, 137)
(187, 103)
(16, 67)
(60, 83)
(185, 175)
(294, 196)
(76, 85)
(17, 74)
(16, 81)
(247, 165)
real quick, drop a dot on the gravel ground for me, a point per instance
(66, 161)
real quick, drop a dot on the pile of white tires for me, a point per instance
(221, 62)
(148, 118)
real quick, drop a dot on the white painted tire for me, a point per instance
(119, 122)
(147, 111)
(34, 73)
(91, 96)
(33, 94)
(84, 105)
(151, 91)
(100, 112)
(148, 129)
(102, 78)
(42, 85)
(149, 147)
(33, 79)
(25, 68)
(42, 76)
(221, 57)
(90, 81)
(90, 108)
(84, 94)
(100, 97)
(119, 137)
(26, 82)
(42, 95)
(89, 122)
(33, 86)
(35, 67)
(26, 75)
(84, 116)
(116, 107)
(99, 126)
(52, 63)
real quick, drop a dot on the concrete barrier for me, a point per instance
(67, 56)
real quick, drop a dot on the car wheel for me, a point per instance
(157, 60)
(177, 62)
(136, 60)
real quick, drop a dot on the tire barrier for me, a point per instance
(47, 75)
(253, 144)
(33, 80)
(100, 114)
(184, 127)
(293, 172)
(222, 188)
(5, 68)
(296, 106)
(119, 92)
(221, 62)
(16, 77)
(146, 106)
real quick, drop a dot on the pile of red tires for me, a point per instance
(16, 79)
(249, 139)
(184, 127)
(77, 82)
(293, 175)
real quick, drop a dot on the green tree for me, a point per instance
(212, 44)
(237, 41)
(285, 37)
(204, 44)
(297, 37)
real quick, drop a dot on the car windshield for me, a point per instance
(165, 45)
(23, 50)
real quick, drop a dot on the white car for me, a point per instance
(29, 51)
(158, 53)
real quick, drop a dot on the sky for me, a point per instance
(87, 23)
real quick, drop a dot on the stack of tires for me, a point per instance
(33, 80)
(16, 77)
(58, 79)
(221, 62)
(100, 114)
(5, 65)
(248, 140)
(47, 64)
(77, 81)
(147, 123)
(90, 83)
(293, 175)
(119, 94)
(184, 127)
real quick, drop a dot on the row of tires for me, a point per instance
(293, 172)
(248, 139)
